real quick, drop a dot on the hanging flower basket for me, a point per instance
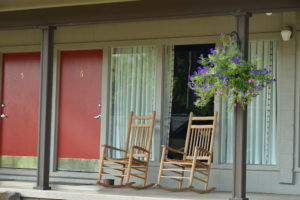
(225, 73)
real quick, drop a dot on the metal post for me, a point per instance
(45, 108)
(240, 120)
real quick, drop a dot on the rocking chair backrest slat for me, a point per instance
(200, 136)
(140, 133)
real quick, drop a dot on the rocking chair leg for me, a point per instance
(181, 181)
(101, 164)
(129, 169)
(114, 186)
(145, 175)
(161, 166)
(192, 171)
(123, 173)
(203, 191)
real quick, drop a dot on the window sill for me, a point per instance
(249, 167)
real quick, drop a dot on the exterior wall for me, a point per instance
(282, 178)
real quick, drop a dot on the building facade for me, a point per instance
(110, 69)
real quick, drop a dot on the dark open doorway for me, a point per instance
(185, 63)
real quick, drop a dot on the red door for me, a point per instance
(20, 103)
(80, 96)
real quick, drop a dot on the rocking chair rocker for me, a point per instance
(197, 157)
(136, 154)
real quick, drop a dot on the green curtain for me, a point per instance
(133, 79)
(262, 114)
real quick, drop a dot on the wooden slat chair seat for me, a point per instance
(136, 154)
(196, 157)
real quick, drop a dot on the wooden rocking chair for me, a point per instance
(197, 157)
(136, 154)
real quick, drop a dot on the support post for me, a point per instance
(240, 120)
(45, 108)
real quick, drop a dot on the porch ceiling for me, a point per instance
(13, 5)
(97, 12)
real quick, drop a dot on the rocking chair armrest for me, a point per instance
(139, 148)
(113, 148)
(202, 150)
(172, 149)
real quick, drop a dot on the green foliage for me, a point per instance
(224, 72)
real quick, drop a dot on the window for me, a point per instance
(133, 77)
(262, 114)
(178, 98)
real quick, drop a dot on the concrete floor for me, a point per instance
(93, 192)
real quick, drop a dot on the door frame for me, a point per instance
(55, 107)
(6, 50)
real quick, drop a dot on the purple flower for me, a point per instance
(268, 82)
(252, 71)
(206, 82)
(250, 80)
(262, 85)
(256, 87)
(190, 76)
(217, 74)
(232, 89)
(239, 90)
(198, 61)
(202, 70)
(247, 91)
(238, 57)
(232, 43)
(211, 50)
(225, 82)
(224, 77)
(211, 84)
(195, 93)
(224, 86)
(206, 89)
(198, 99)
(189, 83)
(226, 51)
(222, 47)
(201, 55)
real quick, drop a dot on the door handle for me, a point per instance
(3, 116)
(98, 117)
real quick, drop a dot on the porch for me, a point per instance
(108, 29)
(91, 192)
